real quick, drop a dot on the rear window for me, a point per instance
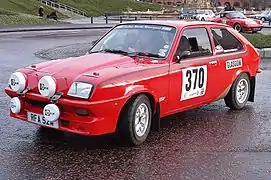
(224, 39)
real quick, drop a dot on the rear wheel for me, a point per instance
(202, 19)
(239, 93)
(238, 27)
(135, 121)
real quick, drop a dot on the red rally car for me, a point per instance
(238, 21)
(136, 74)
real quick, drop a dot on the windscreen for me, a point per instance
(143, 38)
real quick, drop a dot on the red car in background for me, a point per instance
(136, 74)
(238, 21)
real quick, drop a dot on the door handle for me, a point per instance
(213, 62)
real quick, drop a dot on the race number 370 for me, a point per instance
(194, 82)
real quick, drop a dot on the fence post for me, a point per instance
(91, 20)
(120, 19)
(135, 17)
(150, 18)
(106, 19)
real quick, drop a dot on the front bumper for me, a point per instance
(101, 119)
(253, 28)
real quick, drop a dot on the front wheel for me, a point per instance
(239, 93)
(263, 19)
(202, 19)
(135, 121)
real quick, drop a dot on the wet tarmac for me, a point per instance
(211, 142)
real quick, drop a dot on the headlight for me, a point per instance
(47, 86)
(17, 82)
(80, 89)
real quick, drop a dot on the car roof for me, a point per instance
(176, 23)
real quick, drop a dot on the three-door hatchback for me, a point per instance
(135, 74)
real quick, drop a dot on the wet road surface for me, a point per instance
(211, 142)
(266, 31)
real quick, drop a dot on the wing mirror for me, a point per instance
(219, 49)
(182, 56)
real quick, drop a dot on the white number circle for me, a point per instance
(17, 82)
(47, 86)
(51, 112)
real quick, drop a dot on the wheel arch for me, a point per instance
(252, 84)
(155, 107)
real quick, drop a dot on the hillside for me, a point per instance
(23, 12)
(15, 12)
(14, 18)
(24, 6)
(99, 7)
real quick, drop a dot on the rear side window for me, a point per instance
(196, 41)
(225, 40)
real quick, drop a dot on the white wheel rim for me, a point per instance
(141, 119)
(238, 28)
(242, 91)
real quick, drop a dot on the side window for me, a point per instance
(225, 41)
(195, 42)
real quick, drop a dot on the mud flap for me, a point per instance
(252, 89)
(156, 118)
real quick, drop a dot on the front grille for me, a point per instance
(38, 104)
(65, 123)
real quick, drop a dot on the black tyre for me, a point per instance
(239, 93)
(263, 19)
(238, 27)
(202, 19)
(135, 121)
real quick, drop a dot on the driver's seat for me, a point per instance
(184, 45)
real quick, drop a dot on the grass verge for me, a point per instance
(99, 7)
(25, 6)
(12, 18)
(259, 40)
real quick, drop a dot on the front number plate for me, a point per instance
(39, 119)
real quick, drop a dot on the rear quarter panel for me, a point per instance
(250, 57)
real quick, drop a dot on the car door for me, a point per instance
(269, 16)
(191, 78)
(227, 19)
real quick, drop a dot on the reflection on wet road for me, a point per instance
(211, 142)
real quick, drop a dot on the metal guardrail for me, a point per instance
(137, 16)
(63, 6)
(141, 16)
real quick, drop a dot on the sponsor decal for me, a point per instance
(233, 64)
(162, 99)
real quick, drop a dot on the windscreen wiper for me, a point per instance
(145, 54)
(115, 51)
